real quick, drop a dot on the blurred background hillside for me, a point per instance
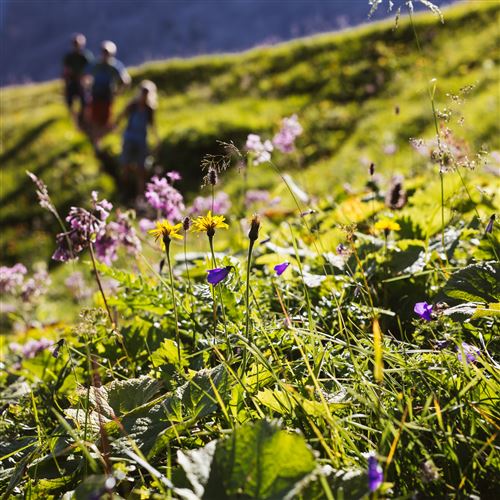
(35, 34)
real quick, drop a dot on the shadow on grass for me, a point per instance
(30, 136)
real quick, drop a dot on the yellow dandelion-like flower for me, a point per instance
(209, 223)
(165, 231)
(387, 225)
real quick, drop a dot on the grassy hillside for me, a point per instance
(344, 87)
(342, 344)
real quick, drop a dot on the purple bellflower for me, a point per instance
(424, 310)
(281, 268)
(215, 276)
(375, 474)
(468, 352)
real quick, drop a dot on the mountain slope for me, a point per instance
(344, 87)
(157, 29)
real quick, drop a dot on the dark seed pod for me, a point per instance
(212, 177)
(396, 196)
(253, 234)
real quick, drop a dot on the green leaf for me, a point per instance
(474, 283)
(259, 460)
(199, 396)
(167, 354)
(126, 395)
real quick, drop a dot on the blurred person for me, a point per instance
(74, 64)
(140, 114)
(108, 76)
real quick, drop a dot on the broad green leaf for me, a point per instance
(126, 395)
(199, 397)
(474, 283)
(258, 460)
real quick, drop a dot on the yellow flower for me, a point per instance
(165, 231)
(387, 225)
(209, 223)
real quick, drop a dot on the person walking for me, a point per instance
(109, 76)
(140, 118)
(74, 64)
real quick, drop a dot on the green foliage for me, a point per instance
(334, 348)
(258, 461)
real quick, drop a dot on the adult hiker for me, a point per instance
(109, 76)
(74, 64)
(140, 118)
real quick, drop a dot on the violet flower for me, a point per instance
(424, 310)
(489, 226)
(281, 268)
(218, 274)
(470, 352)
(375, 474)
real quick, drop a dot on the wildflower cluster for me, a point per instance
(31, 348)
(93, 228)
(118, 233)
(284, 140)
(84, 227)
(11, 277)
(259, 151)
(164, 197)
(14, 282)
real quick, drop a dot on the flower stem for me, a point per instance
(177, 336)
(247, 291)
(99, 284)
(103, 295)
(214, 263)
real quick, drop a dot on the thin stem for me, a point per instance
(247, 291)
(189, 285)
(177, 336)
(214, 263)
(99, 284)
(432, 91)
(186, 263)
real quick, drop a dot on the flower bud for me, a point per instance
(253, 234)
